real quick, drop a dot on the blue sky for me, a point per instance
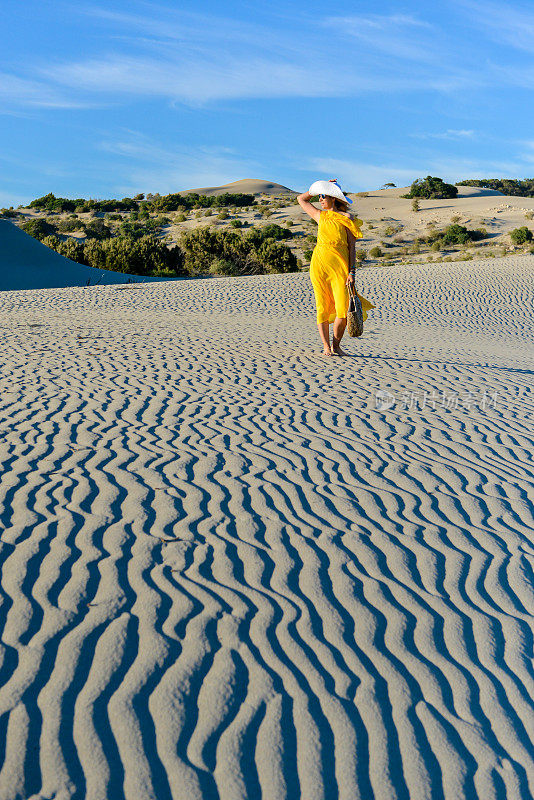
(111, 99)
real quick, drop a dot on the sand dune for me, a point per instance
(25, 263)
(226, 574)
(246, 186)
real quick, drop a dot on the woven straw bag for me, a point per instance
(354, 313)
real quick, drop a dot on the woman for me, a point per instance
(332, 256)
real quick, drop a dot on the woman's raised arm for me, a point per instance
(304, 202)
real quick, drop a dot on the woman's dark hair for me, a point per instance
(340, 205)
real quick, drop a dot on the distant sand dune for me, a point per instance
(225, 574)
(26, 263)
(246, 186)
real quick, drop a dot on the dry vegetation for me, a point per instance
(468, 227)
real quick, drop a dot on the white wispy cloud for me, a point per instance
(199, 82)
(196, 58)
(15, 90)
(449, 134)
(151, 167)
(510, 23)
(396, 35)
(196, 82)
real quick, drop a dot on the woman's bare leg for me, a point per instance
(340, 323)
(324, 333)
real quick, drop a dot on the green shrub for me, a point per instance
(236, 223)
(308, 254)
(223, 266)
(7, 213)
(70, 248)
(69, 225)
(180, 217)
(222, 215)
(38, 228)
(529, 215)
(415, 204)
(437, 245)
(277, 257)
(97, 229)
(274, 231)
(432, 189)
(144, 256)
(375, 252)
(137, 229)
(360, 255)
(455, 218)
(52, 242)
(521, 235)
(253, 253)
(458, 234)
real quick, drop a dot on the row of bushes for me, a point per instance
(176, 202)
(144, 256)
(169, 202)
(435, 188)
(231, 253)
(509, 186)
(199, 251)
(40, 228)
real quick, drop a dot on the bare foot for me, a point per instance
(328, 352)
(336, 347)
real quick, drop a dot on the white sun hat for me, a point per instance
(330, 188)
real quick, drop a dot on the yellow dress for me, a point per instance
(329, 267)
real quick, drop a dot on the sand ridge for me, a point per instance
(226, 574)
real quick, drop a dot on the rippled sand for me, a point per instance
(226, 574)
